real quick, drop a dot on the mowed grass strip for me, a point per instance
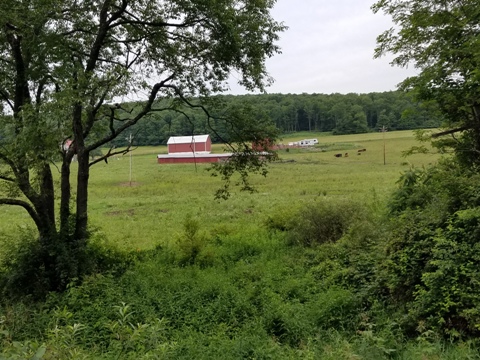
(148, 208)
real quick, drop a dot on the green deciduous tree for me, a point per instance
(64, 65)
(441, 38)
(433, 248)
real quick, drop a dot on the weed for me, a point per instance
(322, 222)
(191, 242)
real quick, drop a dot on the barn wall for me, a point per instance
(176, 148)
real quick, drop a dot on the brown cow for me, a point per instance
(346, 155)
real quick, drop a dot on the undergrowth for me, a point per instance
(233, 295)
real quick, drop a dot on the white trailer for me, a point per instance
(308, 142)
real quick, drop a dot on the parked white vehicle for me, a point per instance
(308, 142)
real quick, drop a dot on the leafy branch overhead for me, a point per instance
(441, 40)
(74, 75)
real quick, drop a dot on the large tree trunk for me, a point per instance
(51, 253)
(82, 196)
(65, 196)
(82, 175)
(476, 129)
(47, 195)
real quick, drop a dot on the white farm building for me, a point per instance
(304, 142)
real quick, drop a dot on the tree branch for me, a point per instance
(5, 97)
(198, 106)
(9, 162)
(146, 109)
(451, 131)
(135, 20)
(22, 94)
(103, 27)
(111, 153)
(31, 211)
(6, 178)
(41, 86)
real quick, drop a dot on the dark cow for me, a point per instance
(362, 150)
(338, 155)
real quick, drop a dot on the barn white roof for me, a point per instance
(187, 139)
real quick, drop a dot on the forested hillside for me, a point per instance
(338, 113)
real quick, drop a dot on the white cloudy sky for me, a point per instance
(329, 48)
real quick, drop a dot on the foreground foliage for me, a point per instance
(433, 250)
(441, 39)
(431, 254)
(230, 295)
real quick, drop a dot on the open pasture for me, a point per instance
(151, 209)
(232, 288)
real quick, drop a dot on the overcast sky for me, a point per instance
(329, 48)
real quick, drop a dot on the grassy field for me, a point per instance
(215, 279)
(149, 211)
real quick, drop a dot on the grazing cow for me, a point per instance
(362, 150)
(346, 155)
(338, 155)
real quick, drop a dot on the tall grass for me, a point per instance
(151, 211)
(215, 279)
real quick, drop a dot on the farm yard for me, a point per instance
(199, 278)
(151, 211)
(163, 194)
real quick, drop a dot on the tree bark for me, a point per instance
(81, 220)
(82, 195)
(65, 196)
(47, 195)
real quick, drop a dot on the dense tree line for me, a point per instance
(338, 113)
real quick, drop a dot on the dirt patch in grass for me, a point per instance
(128, 212)
(133, 183)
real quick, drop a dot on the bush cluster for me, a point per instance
(317, 223)
(23, 269)
(432, 251)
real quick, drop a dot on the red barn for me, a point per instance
(189, 144)
(263, 145)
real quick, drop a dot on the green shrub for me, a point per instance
(21, 270)
(336, 308)
(28, 268)
(431, 256)
(448, 296)
(191, 243)
(322, 222)
(280, 219)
